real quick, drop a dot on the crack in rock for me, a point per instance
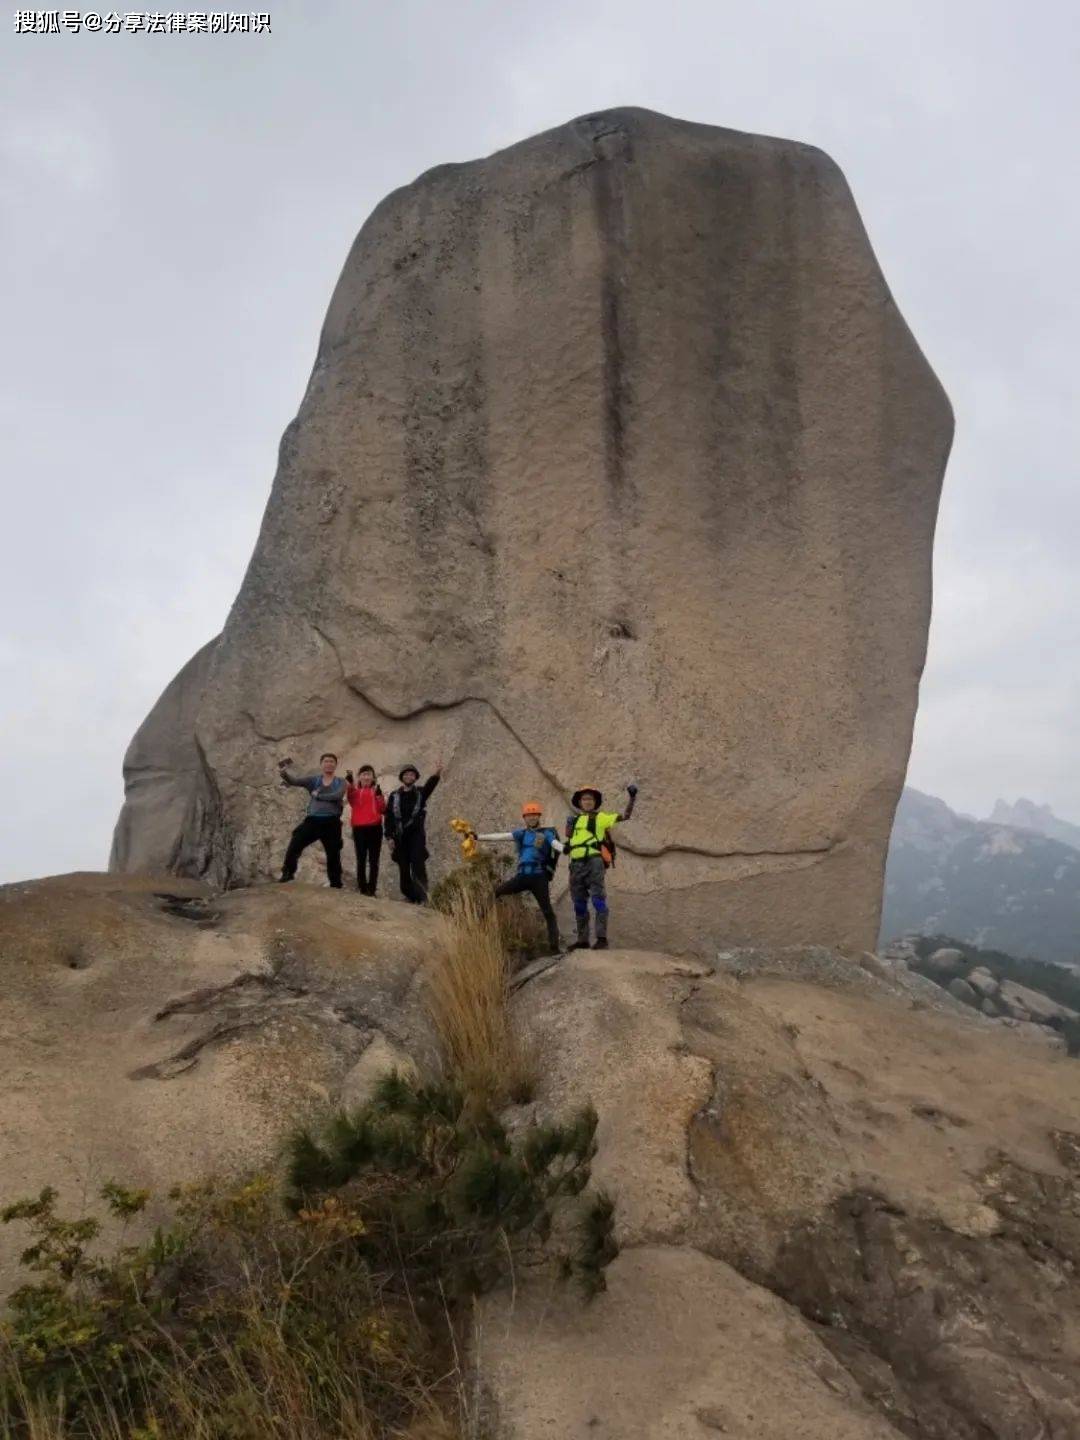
(436, 706)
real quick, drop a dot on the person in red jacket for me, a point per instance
(367, 805)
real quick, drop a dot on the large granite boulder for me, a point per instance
(617, 463)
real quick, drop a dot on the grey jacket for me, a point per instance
(326, 800)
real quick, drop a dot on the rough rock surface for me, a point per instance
(945, 961)
(962, 990)
(900, 1171)
(847, 1204)
(1024, 1002)
(617, 462)
(151, 1031)
(980, 979)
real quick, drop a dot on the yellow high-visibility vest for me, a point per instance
(583, 843)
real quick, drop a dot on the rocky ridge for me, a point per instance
(846, 1203)
(988, 884)
(1027, 815)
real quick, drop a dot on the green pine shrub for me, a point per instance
(446, 1196)
(339, 1312)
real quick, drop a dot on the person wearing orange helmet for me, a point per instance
(591, 849)
(538, 849)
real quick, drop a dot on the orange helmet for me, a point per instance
(531, 808)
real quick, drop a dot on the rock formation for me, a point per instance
(617, 462)
(1026, 815)
(846, 1204)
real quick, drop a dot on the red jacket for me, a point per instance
(367, 806)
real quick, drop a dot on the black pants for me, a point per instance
(368, 842)
(310, 829)
(410, 856)
(540, 887)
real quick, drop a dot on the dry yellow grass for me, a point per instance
(468, 1000)
(266, 1387)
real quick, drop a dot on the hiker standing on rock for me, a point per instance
(538, 850)
(322, 821)
(406, 831)
(592, 850)
(367, 806)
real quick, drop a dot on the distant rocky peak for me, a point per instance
(1027, 815)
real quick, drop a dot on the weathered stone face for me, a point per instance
(617, 463)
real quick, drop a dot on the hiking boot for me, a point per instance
(601, 944)
(579, 945)
(286, 879)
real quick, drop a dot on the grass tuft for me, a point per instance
(468, 1000)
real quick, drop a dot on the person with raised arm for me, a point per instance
(405, 827)
(322, 823)
(367, 807)
(538, 850)
(591, 848)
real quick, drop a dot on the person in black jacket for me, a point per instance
(405, 829)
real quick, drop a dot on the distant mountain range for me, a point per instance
(1010, 883)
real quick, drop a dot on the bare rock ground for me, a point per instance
(845, 1208)
(151, 1031)
(848, 1206)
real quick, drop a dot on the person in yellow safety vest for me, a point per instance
(591, 851)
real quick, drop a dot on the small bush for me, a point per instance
(468, 1000)
(241, 1321)
(448, 1200)
(335, 1314)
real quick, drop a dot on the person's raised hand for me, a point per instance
(348, 776)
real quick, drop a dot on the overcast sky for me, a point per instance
(175, 212)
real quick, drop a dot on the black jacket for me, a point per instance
(407, 802)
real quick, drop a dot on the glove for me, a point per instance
(631, 790)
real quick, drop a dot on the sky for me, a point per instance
(174, 213)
